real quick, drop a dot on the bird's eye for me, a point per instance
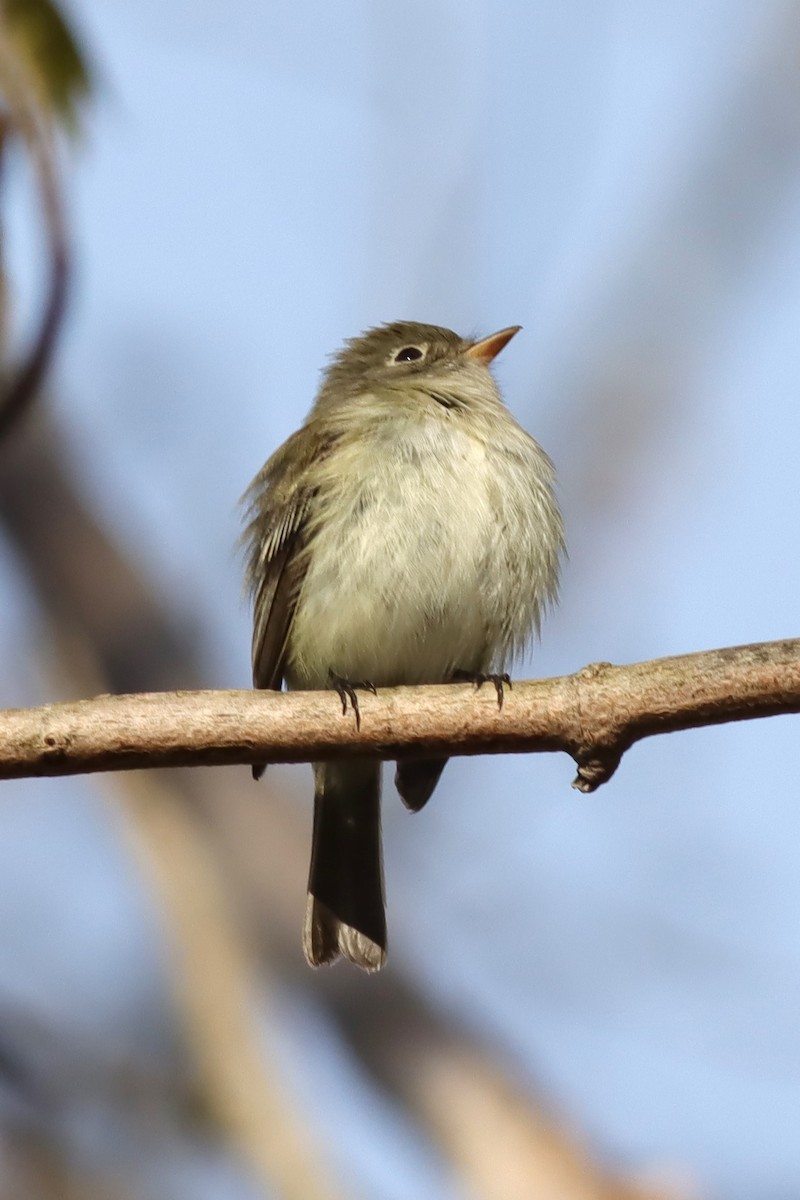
(408, 354)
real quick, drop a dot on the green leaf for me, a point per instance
(54, 62)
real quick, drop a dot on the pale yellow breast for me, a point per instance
(408, 558)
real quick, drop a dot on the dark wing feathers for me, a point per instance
(281, 566)
(278, 502)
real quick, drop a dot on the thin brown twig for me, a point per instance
(594, 715)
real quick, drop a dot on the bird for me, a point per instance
(407, 533)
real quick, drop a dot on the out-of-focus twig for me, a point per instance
(85, 579)
(36, 1167)
(594, 715)
(501, 1142)
(245, 1099)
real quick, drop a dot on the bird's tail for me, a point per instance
(345, 911)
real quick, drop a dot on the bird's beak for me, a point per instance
(489, 347)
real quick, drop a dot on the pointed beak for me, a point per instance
(489, 347)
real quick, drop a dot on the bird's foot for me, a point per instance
(500, 681)
(346, 691)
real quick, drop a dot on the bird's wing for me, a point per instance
(278, 502)
(275, 597)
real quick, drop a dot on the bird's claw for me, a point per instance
(346, 690)
(500, 681)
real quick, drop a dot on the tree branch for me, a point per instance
(594, 715)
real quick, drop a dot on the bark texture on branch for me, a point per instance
(593, 715)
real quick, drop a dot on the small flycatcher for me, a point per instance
(408, 533)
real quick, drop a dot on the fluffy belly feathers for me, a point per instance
(411, 579)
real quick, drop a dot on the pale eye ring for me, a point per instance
(409, 354)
